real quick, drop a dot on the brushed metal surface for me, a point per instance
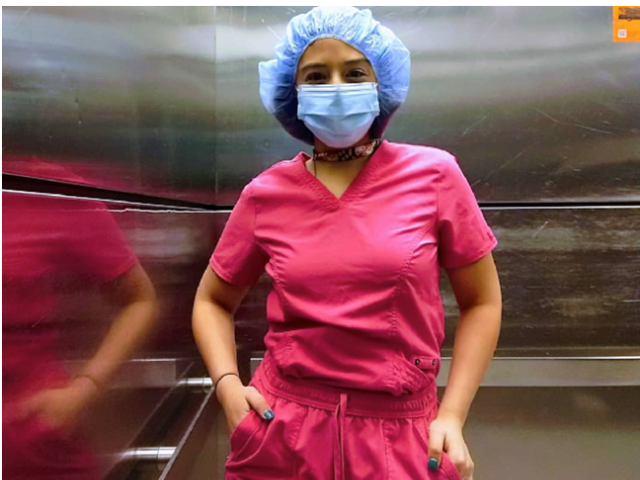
(150, 373)
(589, 371)
(190, 448)
(586, 433)
(592, 371)
(537, 103)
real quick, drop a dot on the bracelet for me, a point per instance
(215, 385)
(93, 380)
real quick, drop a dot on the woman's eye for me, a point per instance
(314, 77)
(356, 74)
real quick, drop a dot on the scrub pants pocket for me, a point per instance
(261, 449)
(407, 452)
(244, 432)
(447, 469)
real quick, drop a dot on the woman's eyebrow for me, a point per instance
(313, 65)
(309, 66)
(355, 60)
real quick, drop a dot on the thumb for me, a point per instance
(259, 403)
(436, 441)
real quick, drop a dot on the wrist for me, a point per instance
(85, 388)
(451, 416)
(225, 386)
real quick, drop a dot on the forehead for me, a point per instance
(329, 50)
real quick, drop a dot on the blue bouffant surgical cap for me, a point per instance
(388, 56)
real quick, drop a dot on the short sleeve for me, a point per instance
(237, 257)
(95, 246)
(463, 233)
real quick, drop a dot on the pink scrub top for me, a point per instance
(355, 301)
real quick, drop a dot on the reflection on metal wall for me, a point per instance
(54, 249)
(77, 300)
(537, 103)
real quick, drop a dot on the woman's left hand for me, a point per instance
(445, 434)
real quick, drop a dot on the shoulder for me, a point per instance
(274, 181)
(433, 159)
(277, 175)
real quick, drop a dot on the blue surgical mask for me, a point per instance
(338, 114)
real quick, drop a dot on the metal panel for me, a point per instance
(555, 433)
(192, 444)
(592, 371)
(123, 98)
(536, 102)
(533, 101)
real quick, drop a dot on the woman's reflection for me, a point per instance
(55, 249)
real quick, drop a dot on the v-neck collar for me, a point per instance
(355, 187)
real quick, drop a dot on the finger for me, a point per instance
(459, 456)
(470, 463)
(436, 440)
(467, 463)
(234, 419)
(459, 460)
(235, 413)
(259, 404)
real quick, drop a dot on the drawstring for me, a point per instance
(338, 456)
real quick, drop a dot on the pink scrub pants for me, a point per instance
(322, 433)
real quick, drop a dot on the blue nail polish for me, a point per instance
(433, 464)
(269, 414)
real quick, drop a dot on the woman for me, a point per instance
(353, 238)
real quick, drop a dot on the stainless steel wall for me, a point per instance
(538, 104)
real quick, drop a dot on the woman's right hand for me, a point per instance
(238, 400)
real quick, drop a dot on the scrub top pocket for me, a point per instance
(428, 365)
